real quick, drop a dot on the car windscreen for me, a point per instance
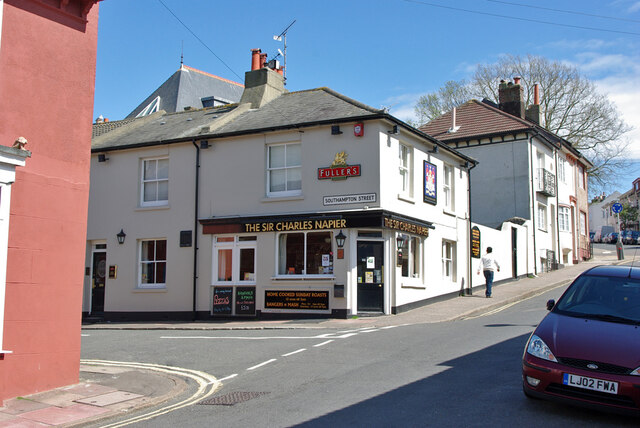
(600, 297)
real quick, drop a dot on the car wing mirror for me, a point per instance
(550, 304)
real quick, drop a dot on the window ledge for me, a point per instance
(153, 207)
(303, 278)
(282, 198)
(414, 287)
(406, 198)
(150, 290)
(448, 212)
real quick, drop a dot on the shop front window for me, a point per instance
(234, 259)
(411, 262)
(305, 253)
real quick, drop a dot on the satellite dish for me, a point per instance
(277, 38)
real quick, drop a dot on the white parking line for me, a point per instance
(228, 377)
(323, 343)
(262, 364)
(294, 352)
(344, 336)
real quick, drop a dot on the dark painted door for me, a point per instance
(514, 252)
(98, 282)
(370, 276)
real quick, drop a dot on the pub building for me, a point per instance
(286, 204)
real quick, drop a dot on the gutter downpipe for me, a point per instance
(555, 152)
(195, 231)
(469, 291)
(533, 209)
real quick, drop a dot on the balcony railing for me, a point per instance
(546, 182)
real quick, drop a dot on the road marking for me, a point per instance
(322, 336)
(207, 385)
(228, 377)
(344, 336)
(368, 331)
(262, 364)
(323, 343)
(294, 352)
(389, 326)
(84, 335)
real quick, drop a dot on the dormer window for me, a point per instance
(152, 107)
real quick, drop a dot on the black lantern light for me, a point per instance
(340, 239)
(121, 235)
(400, 240)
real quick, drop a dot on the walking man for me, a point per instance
(489, 264)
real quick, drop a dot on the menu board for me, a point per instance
(476, 248)
(245, 300)
(222, 300)
(294, 299)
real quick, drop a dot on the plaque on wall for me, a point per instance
(296, 300)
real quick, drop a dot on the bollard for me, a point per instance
(619, 249)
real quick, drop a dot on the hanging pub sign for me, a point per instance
(476, 247)
(222, 300)
(430, 188)
(339, 170)
(296, 300)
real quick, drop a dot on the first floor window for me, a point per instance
(155, 182)
(563, 219)
(153, 263)
(447, 187)
(405, 169)
(284, 169)
(234, 259)
(411, 261)
(449, 260)
(305, 253)
(583, 223)
(542, 217)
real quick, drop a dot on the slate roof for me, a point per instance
(186, 88)
(476, 119)
(104, 127)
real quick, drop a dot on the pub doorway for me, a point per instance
(370, 268)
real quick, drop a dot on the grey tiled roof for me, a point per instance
(104, 127)
(186, 88)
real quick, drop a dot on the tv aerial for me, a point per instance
(282, 37)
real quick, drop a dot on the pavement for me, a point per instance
(108, 391)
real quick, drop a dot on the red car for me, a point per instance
(586, 351)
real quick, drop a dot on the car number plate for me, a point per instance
(590, 383)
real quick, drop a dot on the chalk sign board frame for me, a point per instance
(245, 301)
(222, 301)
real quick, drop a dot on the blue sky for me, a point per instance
(384, 53)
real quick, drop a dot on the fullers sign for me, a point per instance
(339, 170)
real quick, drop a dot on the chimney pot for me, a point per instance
(536, 94)
(516, 80)
(255, 59)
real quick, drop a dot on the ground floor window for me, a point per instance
(305, 253)
(412, 247)
(153, 263)
(449, 260)
(234, 259)
(563, 219)
(542, 217)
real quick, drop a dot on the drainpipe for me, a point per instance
(533, 209)
(195, 230)
(555, 153)
(469, 291)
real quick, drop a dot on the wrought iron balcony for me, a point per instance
(546, 182)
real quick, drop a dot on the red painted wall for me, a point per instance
(47, 78)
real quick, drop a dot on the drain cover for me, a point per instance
(232, 398)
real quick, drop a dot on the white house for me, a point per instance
(300, 203)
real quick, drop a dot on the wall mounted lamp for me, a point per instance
(121, 235)
(335, 130)
(102, 157)
(394, 130)
(435, 149)
(340, 238)
(401, 240)
(204, 144)
(465, 165)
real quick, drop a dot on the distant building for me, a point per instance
(303, 203)
(600, 215)
(632, 198)
(189, 88)
(47, 75)
(524, 171)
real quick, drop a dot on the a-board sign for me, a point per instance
(222, 300)
(476, 248)
(245, 300)
(296, 299)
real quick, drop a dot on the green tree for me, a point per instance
(570, 107)
(628, 214)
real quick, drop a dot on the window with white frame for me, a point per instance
(583, 223)
(542, 217)
(406, 177)
(581, 177)
(152, 263)
(448, 260)
(447, 187)
(563, 219)
(284, 169)
(234, 259)
(155, 182)
(561, 171)
(411, 261)
(305, 253)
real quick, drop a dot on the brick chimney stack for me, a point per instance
(533, 111)
(262, 84)
(511, 98)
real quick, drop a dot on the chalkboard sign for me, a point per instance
(222, 300)
(476, 248)
(245, 300)
(300, 300)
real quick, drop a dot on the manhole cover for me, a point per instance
(232, 398)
